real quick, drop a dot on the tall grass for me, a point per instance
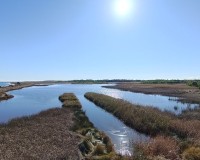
(90, 146)
(161, 146)
(148, 120)
(191, 113)
(69, 100)
(180, 136)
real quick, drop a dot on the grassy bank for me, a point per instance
(46, 135)
(181, 133)
(184, 92)
(94, 144)
(148, 120)
(60, 133)
(5, 96)
(191, 114)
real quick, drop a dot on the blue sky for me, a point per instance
(86, 39)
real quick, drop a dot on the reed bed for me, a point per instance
(173, 137)
(144, 119)
(94, 144)
(46, 135)
(69, 100)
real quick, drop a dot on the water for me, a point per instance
(3, 84)
(164, 103)
(32, 100)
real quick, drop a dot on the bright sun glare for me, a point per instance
(123, 8)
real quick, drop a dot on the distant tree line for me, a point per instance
(163, 81)
(91, 81)
(195, 83)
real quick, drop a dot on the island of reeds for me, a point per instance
(172, 137)
(94, 144)
(58, 133)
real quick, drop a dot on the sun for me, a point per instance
(123, 8)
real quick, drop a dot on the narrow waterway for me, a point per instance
(32, 100)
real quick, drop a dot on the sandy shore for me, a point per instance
(184, 92)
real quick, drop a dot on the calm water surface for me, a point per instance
(32, 100)
(162, 102)
(3, 84)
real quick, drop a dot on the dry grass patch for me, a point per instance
(144, 119)
(43, 136)
(161, 146)
(183, 91)
(69, 100)
(153, 122)
(192, 153)
(94, 144)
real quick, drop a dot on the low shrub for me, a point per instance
(185, 128)
(190, 114)
(166, 147)
(69, 100)
(99, 150)
(192, 153)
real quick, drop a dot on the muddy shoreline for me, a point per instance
(185, 93)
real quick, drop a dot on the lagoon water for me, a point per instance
(32, 100)
(3, 84)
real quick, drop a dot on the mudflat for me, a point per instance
(184, 92)
(43, 136)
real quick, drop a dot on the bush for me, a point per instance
(192, 153)
(69, 100)
(158, 146)
(195, 83)
(99, 150)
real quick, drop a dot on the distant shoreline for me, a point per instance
(185, 93)
(21, 85)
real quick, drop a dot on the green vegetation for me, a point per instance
(88, 81)
(69, 100)
(94, 144)
(156, 81)
(104, 81)
(195, 83)
(171, 135)
(163, 81)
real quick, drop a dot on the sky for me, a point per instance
(99, 39)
